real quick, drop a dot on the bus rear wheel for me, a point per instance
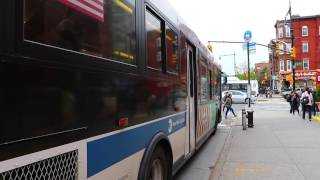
(158, 167)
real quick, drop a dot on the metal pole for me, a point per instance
(292, 45)
(249, 84)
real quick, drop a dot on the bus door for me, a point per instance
(191, 117)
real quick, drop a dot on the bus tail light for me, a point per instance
(123, 122)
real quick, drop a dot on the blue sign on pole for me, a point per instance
(247, 36)
(252, 47)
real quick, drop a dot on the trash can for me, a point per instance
(250, 118)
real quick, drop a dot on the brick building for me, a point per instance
(263, 73)
(306, 31)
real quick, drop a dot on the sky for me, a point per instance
(227, 20)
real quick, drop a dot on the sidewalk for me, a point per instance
(279, 147)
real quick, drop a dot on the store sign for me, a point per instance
(299, 63)
(289, 78)
(306, 74)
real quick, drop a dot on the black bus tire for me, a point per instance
(218, 116)
(158, 166)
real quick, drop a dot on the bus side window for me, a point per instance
(106, 30)
(155, 44)
(210, 84)
(172, 51)
(204, 85)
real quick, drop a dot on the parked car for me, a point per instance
(240, 97)
(286, 92)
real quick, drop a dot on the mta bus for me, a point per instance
(97, 89)
(233, 83)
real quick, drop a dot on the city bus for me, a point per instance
(233, 83)
(96, 89)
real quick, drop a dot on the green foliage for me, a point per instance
(244, 76)
(265, 70)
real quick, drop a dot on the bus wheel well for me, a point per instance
(166, 146)
(219, 116)
(159, 141)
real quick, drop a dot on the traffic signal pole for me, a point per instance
(249, 84)
(292, 57)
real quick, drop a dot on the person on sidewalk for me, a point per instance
(224, 100)
(306, 100)
(289, 100)
(295, 101)
(314, 105)
(228, 104)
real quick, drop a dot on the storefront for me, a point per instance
(284, 80)
(307, 79)
(303, 79)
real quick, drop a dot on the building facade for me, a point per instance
(306, 32)
(263, 74)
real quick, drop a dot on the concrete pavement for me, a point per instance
(279, 147)
(200, 166)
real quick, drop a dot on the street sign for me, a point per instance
(274, 78)
(247, 36)
(299, 63)
(252, 47)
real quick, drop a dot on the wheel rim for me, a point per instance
(156, 172)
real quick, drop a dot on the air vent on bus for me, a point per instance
(61, 167)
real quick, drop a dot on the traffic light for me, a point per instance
(209, 47)
(293, 52)
(277, 47)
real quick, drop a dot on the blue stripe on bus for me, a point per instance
(103, 153)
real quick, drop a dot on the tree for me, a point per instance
(244, 75)
(264, 78)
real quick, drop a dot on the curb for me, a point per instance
(316, 118)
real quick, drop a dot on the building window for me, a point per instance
(172, 50)
(281, 48)
(288, 31)
(304, 30)
(280, 32)
(288, 48)
(281, 65)
(305, 47)
(154, 41)
(289, 65)
(105, 30)
(306, 64)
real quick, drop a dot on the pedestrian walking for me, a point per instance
(289, 100)
(314, 105)
(228, 105)
(295, 101)
(224, 100)
(307, 101)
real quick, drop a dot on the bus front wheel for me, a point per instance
(158, 167)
